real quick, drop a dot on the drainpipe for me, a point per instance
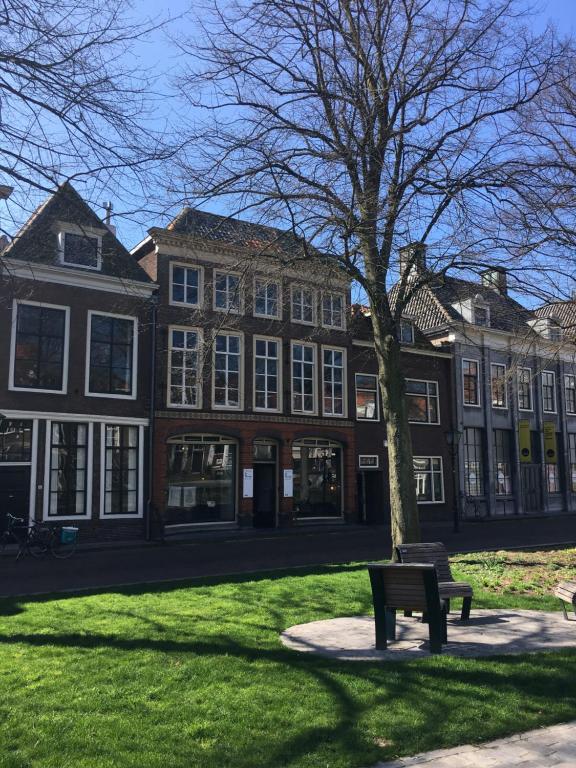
(151, 431)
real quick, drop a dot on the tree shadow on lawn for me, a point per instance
(412, 706)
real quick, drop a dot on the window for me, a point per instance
(80, 249)
(267, 374)
(423, 406)
(185, 285)
(554, 330)
(302, 306)
(226, 292)
(112, 359)
(502, 462)
(39, 347)
(498, 385)
(303, 378)
(333, 310)
(473, 462)
(481, 316)
(524, 389)
(570, 393)
(429, 479)
(572, 460)
(227, 370)
(68, 473)
(121, 471)
(201, 479)
(183, 368)
(15, 441)
(470, 383)
(549, 391)
(406, 332)
(552, 478)
(317, 467)
(266, 298)
(333, 376)
(366, 397)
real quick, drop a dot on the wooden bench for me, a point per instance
(413, 587)
(566, 593)
(435, 553)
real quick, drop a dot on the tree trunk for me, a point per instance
(403, 507)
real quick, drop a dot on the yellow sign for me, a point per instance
(524, 445)
(550, 448)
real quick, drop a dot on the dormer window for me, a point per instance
(481, 314)
(406, 332)
(78, 248)
(548, 327)
(554, 330)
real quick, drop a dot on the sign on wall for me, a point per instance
(368, 462)
(550, 447)
(248, 484)
(288, 483)
(524, 445)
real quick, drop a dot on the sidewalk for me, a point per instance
(553, 747)
(234, 553)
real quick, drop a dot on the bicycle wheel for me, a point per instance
(38, 541)
(62, 544)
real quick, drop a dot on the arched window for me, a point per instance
(317, 467)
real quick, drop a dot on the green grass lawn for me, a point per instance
(195, 676)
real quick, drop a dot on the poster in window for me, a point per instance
(550, 449)
(288, 483)
(248, 484)
(524, 444)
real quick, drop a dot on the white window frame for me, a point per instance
(199, 387)
(314, 411)
(266, 281)
(479, 387)
(443, 500)
(74, 229)
(140, 502)
(314, 296)
(332, 348)
(240, 406)
(573, 377)
(554, 396)
(358, 418)
(227, 310)
(78, 419)
(278, 341)
(200, 271)
(428, 396)
(134, 392)
(332, 294)
(530, 384)
(505, 406)
(15, 304)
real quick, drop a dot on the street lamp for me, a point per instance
(453, 438)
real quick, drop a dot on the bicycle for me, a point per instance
(38, 539)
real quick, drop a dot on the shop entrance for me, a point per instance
(265, 484)
(14, 493)
(372, 508)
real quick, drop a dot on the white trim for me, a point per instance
(48, 273)
(262, 278)
(427, 395)
(443, 500)
(86, 232)
(505, 406)
(478, 387)
(332, 348)
(139, 514)
(240, 406)
(278, 340)
(227, 310)
(314, 411)
(342, 296)
(46, 517)
(77, 417)
(408, 350)
(33, 471)
(357, 418)
(573, 377)
(530, 384)
(199, 388)
(554, 394)
(314, 295)
(368, 456)
(183, 265)
(134, 391)
(15, 304)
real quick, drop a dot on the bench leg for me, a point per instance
(466, 605)
(408, 614)
(447, 606)
(385, 627)
(437, 632)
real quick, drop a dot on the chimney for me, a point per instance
(413, 257)
(108, 209)
(496, 279)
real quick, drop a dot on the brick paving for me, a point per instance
(553, 747)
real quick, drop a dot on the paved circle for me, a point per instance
(487, 633)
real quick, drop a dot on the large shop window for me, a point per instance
(333, 376)
(183, 367)
(40, 348)
(227, 370)
(112, 341)
(429, 478)
(366, 397)
(473, 462)
(15, 441)
(423, 406)
(121, 471)
(552, 478)
(201, 479)
(68, 469)
(317, 478)
(502, 462)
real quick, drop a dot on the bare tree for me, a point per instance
(368, 126)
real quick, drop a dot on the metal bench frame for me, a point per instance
(566, 593)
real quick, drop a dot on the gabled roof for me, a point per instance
(37, 240)
(562, 311)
